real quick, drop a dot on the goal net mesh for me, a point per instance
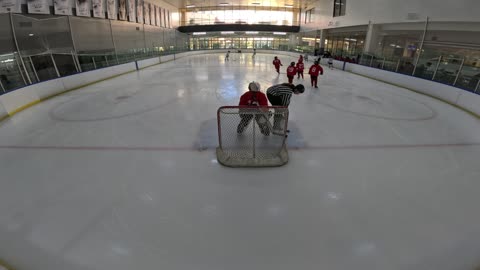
(252, 137)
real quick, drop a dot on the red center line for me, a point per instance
(194, 149)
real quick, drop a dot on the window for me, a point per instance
(308, 15)
(242, 15)
(339, 7)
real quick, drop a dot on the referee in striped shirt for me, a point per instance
(280, 95)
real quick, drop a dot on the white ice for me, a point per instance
(122, 175)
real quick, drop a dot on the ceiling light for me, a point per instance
(190, 6)
(227, 32)
(30, 35)
(279, 33)
(251, 32)
(199, 33)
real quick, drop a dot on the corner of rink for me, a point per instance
(5, 266)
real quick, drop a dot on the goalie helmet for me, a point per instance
(254, 86)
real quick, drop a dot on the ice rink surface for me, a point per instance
(122, 175)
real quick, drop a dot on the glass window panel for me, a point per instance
(129, 36)
(100, 61)
(10, 76)
(44, 67)
(7, 45)
(469, 78)
(336, 8)
(65, 64)
(241, 15)
(425, 68)
(86, 62)
(91, 35)
(447, 70)
(30, 69)
(343, 7)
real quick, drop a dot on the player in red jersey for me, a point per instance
(300, 68)
(253, 98)
(277, 63)
(291, 72)
(315, 69)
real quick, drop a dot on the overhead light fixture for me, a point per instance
(251, 32)
(289, 5)
(223, 4)
(31, 35)
(280, 33)
(255, 3)
(190, 6)
(227, 32)
(199, 33)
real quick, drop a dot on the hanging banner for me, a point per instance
(122, 10)
(112, 9)
(168, 19)
(131, 10)
(98, 8)
(157, 16)
(164, 17)
(152, 14)
(161, 17)
(153, 17)
(83, 8)
(38, 7)
(140, 11)
(146, 12)
(7, 6)
(62, 7)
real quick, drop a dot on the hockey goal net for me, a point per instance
(252, 137)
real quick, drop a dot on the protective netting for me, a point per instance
(252, 137)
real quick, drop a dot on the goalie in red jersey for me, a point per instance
(253, 98)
